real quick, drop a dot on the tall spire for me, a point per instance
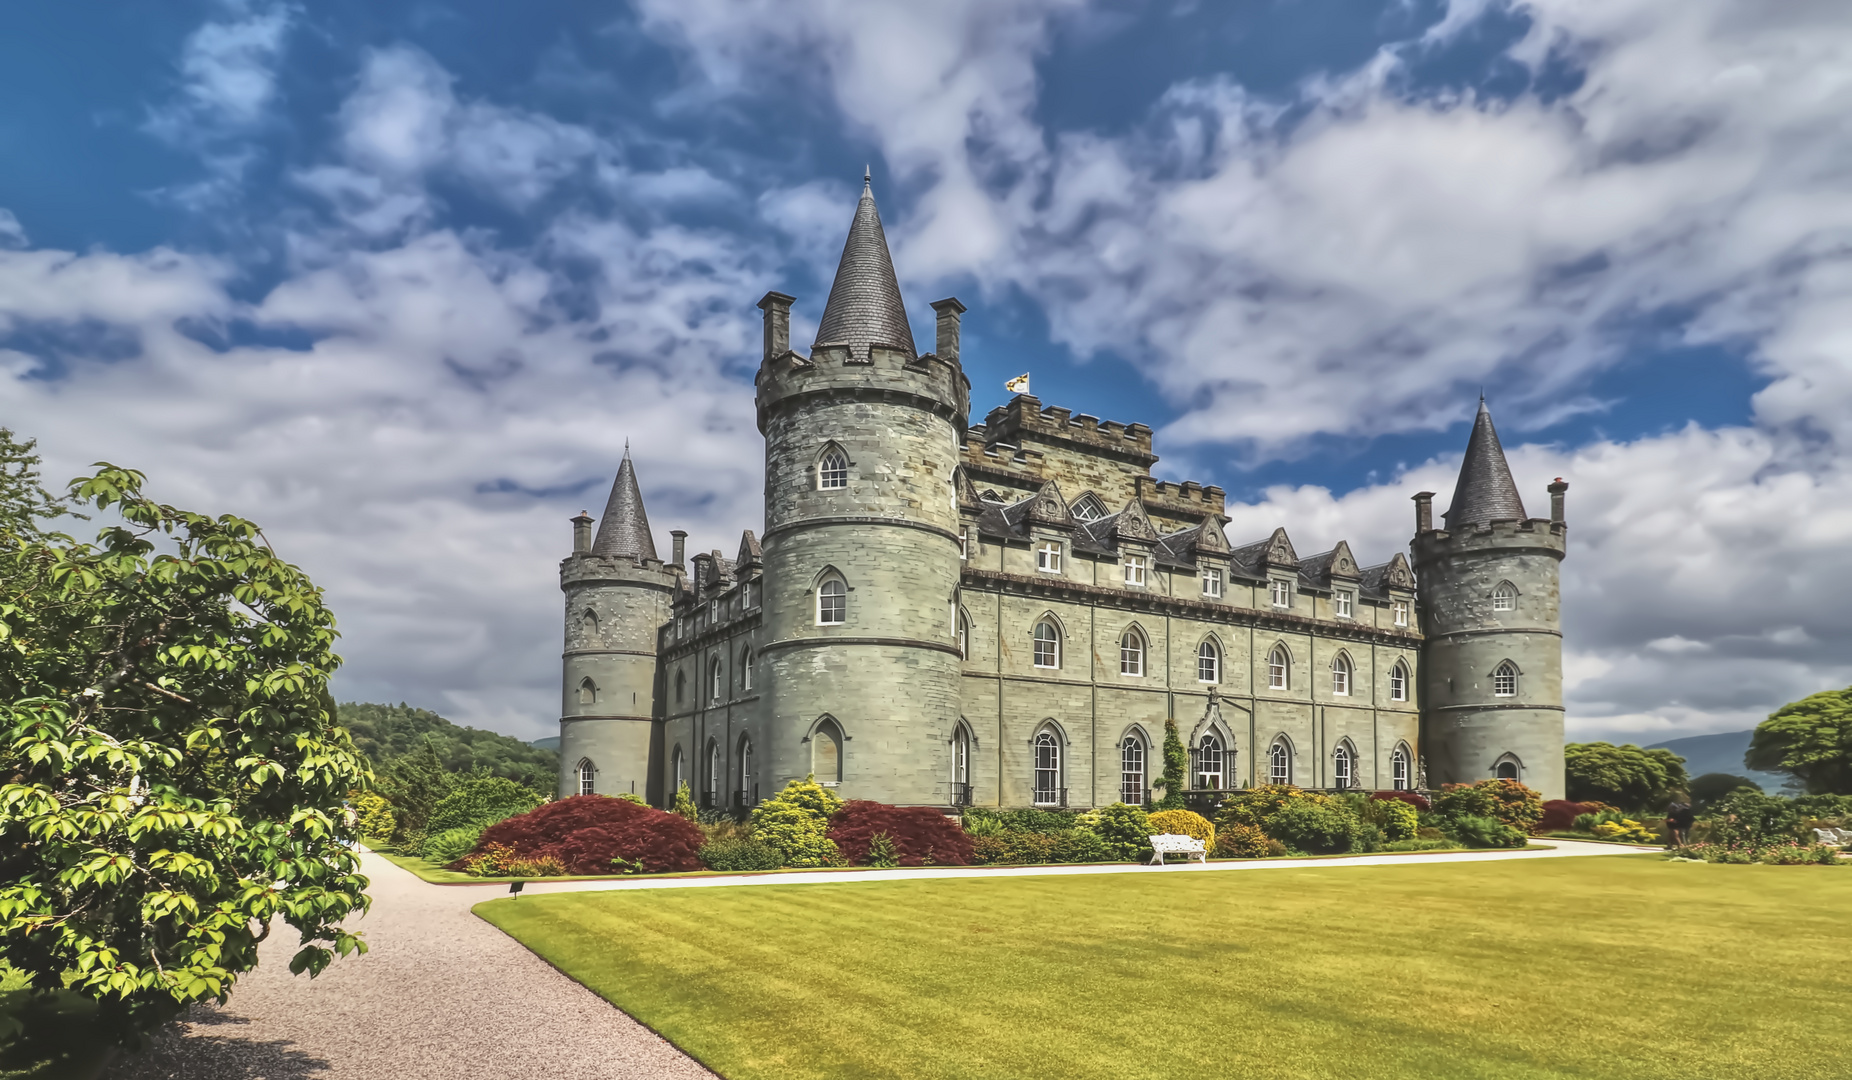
(1485, 491)
(864, 306)
(624, 529)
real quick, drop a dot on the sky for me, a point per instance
(399, 281)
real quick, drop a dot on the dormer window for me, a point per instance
(1340, 604)
(1048, 557)
(1212, 583)
(1401, 613)
(1087, 508)
(964, 544)
(1282, 594)
(833, 470)
(1135, 569)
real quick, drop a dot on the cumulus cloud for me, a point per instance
(227, 85)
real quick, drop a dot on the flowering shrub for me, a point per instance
(1418, 801)
(596, 834)
(796, 821)
(1625, 830)
(1184, 823)
(1508, 801)
(920, 835)
(1559, 815)
(501, 860)
(1788, 854)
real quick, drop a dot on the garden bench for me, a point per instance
(1835, 837)
(1174, 844)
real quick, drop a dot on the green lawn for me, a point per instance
(1617, 966)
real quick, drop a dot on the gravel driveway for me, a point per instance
(440, 994)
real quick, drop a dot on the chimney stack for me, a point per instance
(678, 543)
(1424, 512)
(949, 310)
(1556, 500)
(777, 308)
(582, 533)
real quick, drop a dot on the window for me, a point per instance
(1340, 675)
(1506, 769)
(744, 794)
(1132, 653)
(1047, 645)
(964, 544)
(961, 756)
(1398, 682)
(1209, 759)
(1279, 763)
(745, 596)
(587, 776)
(1401, 613)
(1398, 768)
(1132, 771)
(1282, 594)
(1208, 663)
(1340, 604)
(1505, 680)
(1135, 569)
(1048, 557)
(1279, 668)
(1344, 766)
(1047, 770)
(745, 669)
(1505, 597)
(1088, 508)
(964, 637)
(681, 686)
(678, 771)
(833, 470)
(717, 688)
(1212, 582)
(832, 602)
(713, 773)
(826, 752)
(588, 692)
(590, 622)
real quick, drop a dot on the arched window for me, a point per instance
(1398, 682)
(1208, 663)
(1508, 768)
(1505, 597)
(1132, 653)
(833, 469)
(587, 776)
(1279, 669)
(1505, 680)
(681, 685)
(1048, 770)
(1209, 763)
(716, 686)
(832, 602)
(1047, 645)
(588, 692)
(678, 771)
(1340, 675)
(1344, 766)
(961, 756)
(826, 752)
(1398, 769)
(1132, 771)
(589, 621)
(746, 669)
(1088, 508)
(1280, 762)
(745, 795)
(964, 637)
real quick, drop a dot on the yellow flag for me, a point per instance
(1018, 385)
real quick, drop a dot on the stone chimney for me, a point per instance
(1557, 489)
(949, 310)
(582, 533)
(678, 544)
(1424, 512)
(777, 308)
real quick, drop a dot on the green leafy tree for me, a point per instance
(1810, 740)
(25, 505)
(796, 821)
(173, 774)
(1707, 789)
(1624, 776)
(1176, 769)
(684, 804)
(387, 733)
(482, 800)
(415, 784)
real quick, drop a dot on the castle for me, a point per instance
(1006, 614)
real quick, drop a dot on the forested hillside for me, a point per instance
(386, 733)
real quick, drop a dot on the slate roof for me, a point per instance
(624, 528)
(864, 307)
(1485, 492)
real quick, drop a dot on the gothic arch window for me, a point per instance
(1505, 597)
(1279, 668)
(589, 621)
(1344, 765)
(1047, 644)
(1401, 776)
(587, 777)
(588, 691)
(832, 469)
(1398, 682)
(1505, 680)
(964, 636)
(832, 601)
(1280, 761)
(1341, 672)
(746, 794)
(1211, 763)
(712, 787)
(746, 669)
(678, 771)
(1088, 508)
(1508, 767)
(716, 686)
(1132, 770)
(961, 762)
(1132, 652)
(681, 686)
(1047, 749)
(826, 752)
(1208, 662)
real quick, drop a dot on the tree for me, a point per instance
(387, 733)
(1712, 786)
(1623, 776)
(25, 505)
(173, 776)
(1176, 769)
(1810, 740)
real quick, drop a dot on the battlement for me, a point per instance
(1535, 533)
(586, 569)
(1188, 499)
(1024, 419)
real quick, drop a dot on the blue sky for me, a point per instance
(398, 280)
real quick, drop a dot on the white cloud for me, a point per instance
(228, 83)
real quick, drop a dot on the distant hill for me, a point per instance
(1722, 752)
(551, 742)
(388, 732)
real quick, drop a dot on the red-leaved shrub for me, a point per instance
(1559, 814)
(918, 832)
(1414, 799)
(586, 832)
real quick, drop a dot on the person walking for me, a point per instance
(1678, 823)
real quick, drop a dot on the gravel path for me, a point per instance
(440, 994)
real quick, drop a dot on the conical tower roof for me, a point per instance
(864, 306)
(624, 528)
(1485, 491)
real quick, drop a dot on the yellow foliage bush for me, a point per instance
(1626, 830)
(1245, 842)
(1183, 823)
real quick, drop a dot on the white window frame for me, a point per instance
(1048, 557)
(1279, 668)
(717, 687)
(1132, 771)
(1132, 658)
(964, 637)
(1399, 771)
(1398, 682)
(1053, 643)
(964, 543)
(746, 668)
(833, 470)
(1136, 569)
(1279, 763)
(1341, 602)
(588, 773)
(1505, 597)
(1341, 671)
(1344, 766)
(1401, 612)
(1282, 594)
(1047, 766)
(837, 589)
(1208, 663)
(1505, 679)
(1212, 582)
(1211, 762)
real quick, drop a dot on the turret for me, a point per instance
(861, 549)
(617, 594)
(1492, 704)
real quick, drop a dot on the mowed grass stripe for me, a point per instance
(1618, 966)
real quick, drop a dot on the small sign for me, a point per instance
(514, 887)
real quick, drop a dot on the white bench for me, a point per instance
(1174, 844)
(1835, 837)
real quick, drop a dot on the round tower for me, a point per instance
(1491, 616)
(861, 548)
(618, 595)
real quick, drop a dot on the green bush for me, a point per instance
(796, 821)
(1507, 801)
(1395, 818)
(630, 797)
(1183, 823)
(736, 854)
(1255, 806)
(1125, 830)
(1080, 846)
(480, 800)
(684, 804)
(1484, 832)
(375, 817)
(1419, 844)
(451, 844)
(1316, 828)
(980, 819)
(1747, 817)
(882, 855)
